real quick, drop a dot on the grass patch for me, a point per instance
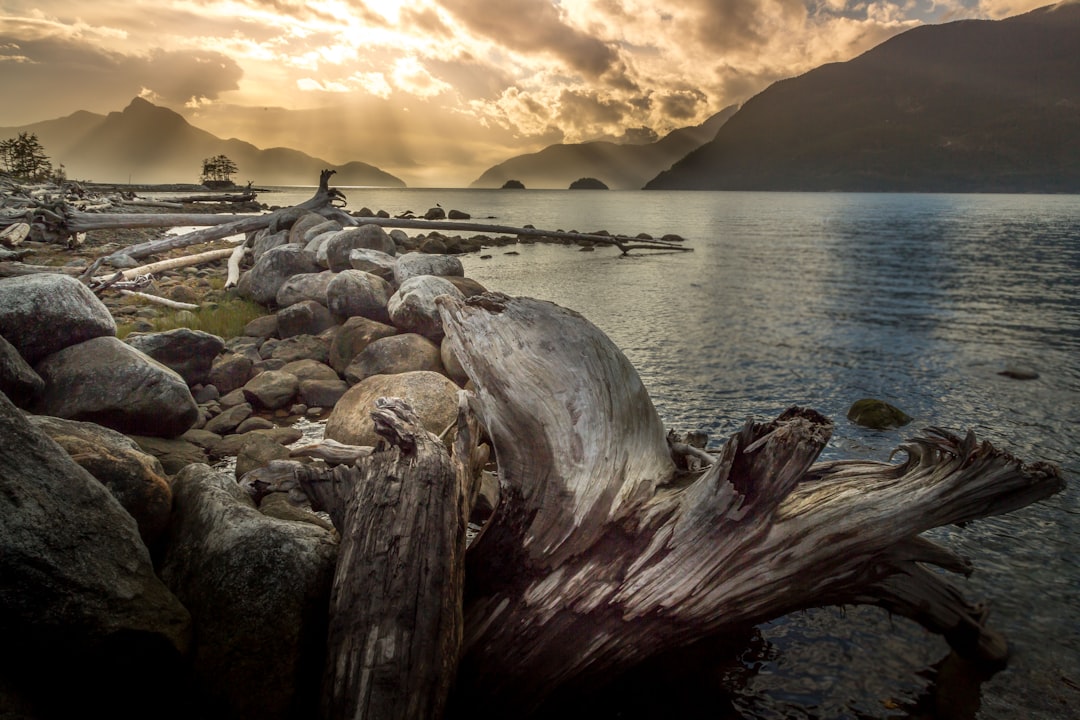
(226, 320)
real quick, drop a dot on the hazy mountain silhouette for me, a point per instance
(976, 106)
(619, 166)
(150, 144)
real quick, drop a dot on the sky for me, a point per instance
(433, 91)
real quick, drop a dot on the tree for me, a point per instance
(24, 157)
(218, 169)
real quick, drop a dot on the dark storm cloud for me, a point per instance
(532, 26)
(682, 104)
(736, 24)
(54, 75)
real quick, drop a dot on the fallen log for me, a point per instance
(593, 562)
(172, 264)
(158, 300)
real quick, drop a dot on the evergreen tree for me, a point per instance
(24, 157)
(218, 169)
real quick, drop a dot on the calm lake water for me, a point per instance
(819, 300)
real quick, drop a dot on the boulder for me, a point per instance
(413, 264)
(136, 479)
(431, 395)
(320, 392)
(174, 454)
(266, 240)
(17, 379)
(310, 370)
(79, 601)
(46, 312)
(435, 213)
(458, 215)
(326, 227)
(272, 389)
(263, 281)
(407, 352)
(877, 414)
(451, 366)
(356, 293)
(305, 286)
(412, 308)
(304, 224)
(341, 243)
(466, 285)
(306, 317)
(302, 347)
(262, 327)
(258, 451)
(110, 383)
(190, 353)
(374, 262)
(228, 420)
(230, 371)
(355, 335)
(230, 445)
(258, 589)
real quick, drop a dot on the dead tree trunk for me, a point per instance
(592, 563)
(395, 610)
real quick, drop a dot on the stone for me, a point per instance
(325, 227)
(306, 317)
(190, 353)
(17, 379)
(79, 600)
(135, 478)
(271, 390)
(229, 420)
(205, 393)
(374, 262)
(356, 293)
(277, 505)
(877, 414)
(266, 241)
(304, 224)
(458, 215)
(254, 423)
(319, 392)
(407, 352)
(451, 366)
(230, 444)
(263, 281)
(311, 370)
(262, 327)
(43, 313)
(258, 589)
(344, 241)
(305, 286)
(257, 452)
(435, 213)
(412, 264)
(110, 383)
(230, 371)
(174, 454)
(466, 285)
(355, 335)
(1019, 372)
(412, 308)
(302, 347)
(203, 438)
(432, 396)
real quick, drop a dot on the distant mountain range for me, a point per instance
(970, 106)
(150, 144)
(619, 166)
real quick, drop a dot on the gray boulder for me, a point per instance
(310, 370)
(46, 312)
(412, 308)
(877, 414)
(272, 389)
(263, 281)
(356, 293)
(304, 224)
(302, 347)
(431, 395)
(451, 365)
(355, 335)
(305, 286)
(322, 393)
(258, 589)
(228, 420)
(17, 379)
(407, 352)
(136, 479)
(230, 371)
(174, 454)
(306, 317)
(413, 264)
(266, 240)
(79, 599)
(371, 237)
(324, 228)
(374, 262)
(107, 382)
(190, 353)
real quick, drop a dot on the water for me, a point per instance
(819, 300)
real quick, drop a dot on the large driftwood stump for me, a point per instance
(594, 561)
(395, 609)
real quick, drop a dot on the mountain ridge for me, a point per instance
(145, 143)
(970, 106)
(620, 166)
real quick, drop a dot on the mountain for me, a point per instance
(150, 144)
(970, 106)
(621, 167)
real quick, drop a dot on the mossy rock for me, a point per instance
(877, 414)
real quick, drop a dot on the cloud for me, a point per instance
(528, 27)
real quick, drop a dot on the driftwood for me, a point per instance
(395, 615)
(157, 300)
(593, 561)
(174, 263)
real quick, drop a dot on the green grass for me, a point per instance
(226, 320)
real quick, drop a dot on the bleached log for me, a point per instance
(232, 278)
(174, 304)
(333, 452)
(172, 264)
(592, 563)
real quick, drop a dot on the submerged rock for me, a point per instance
(877, 414)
